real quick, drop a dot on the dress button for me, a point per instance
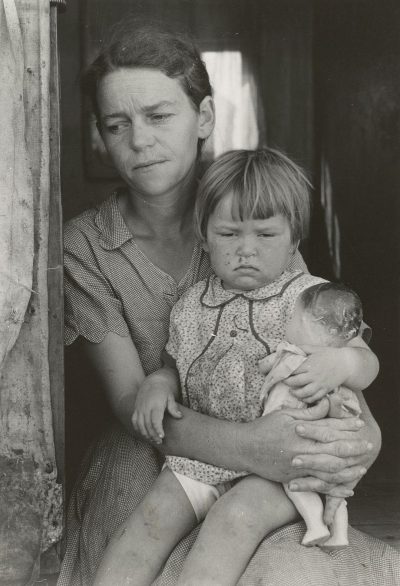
(233, 334)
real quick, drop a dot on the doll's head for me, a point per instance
(327, 314)
(252, 210)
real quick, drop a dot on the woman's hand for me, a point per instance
(153, 400)
(319, 454)
(327, 472)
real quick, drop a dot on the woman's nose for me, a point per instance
(141, 135)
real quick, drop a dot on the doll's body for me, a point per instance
(305, 328)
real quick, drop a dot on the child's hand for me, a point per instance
(151, 404)
(324, 370)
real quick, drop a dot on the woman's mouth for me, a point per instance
(148, 164)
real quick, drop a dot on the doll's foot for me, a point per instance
(335, 543)
(318, 536)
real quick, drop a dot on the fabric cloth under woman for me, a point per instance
(126, 264)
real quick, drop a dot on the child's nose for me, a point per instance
(247, 247)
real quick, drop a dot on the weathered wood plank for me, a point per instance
(16, 202)
(30, 498)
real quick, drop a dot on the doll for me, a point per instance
(325, 314)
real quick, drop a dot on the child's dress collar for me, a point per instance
(215, 295)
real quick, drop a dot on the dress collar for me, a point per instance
(215, 295)
(113, 230)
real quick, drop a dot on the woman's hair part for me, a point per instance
(135, 43)
(263, 182)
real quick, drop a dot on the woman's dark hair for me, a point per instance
(134, 43)
(336, 307)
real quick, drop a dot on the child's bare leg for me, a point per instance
(140, 546)
(232, 531)
(311, 508)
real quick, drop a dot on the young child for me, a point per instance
(251, 212)
(327, 314)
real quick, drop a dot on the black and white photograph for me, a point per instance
(200, 293)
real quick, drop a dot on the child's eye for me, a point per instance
(227, 234)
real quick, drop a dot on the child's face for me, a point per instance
(247, 254)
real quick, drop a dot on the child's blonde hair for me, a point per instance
(264, 183)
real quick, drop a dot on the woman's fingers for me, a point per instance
(340, 431)
(326, 463)
(332, 430)
(320, 485)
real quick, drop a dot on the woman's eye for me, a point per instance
(265, 235)
(228, 234)
(116, 128)
(160, 117)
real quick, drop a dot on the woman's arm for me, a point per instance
(117, 365)
(265, 447)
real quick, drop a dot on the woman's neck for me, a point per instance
(170, 214)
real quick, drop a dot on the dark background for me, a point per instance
(328, 76)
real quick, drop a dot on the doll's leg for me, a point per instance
(232, 531)
(339, 525)
(311, 508)
(140, 546)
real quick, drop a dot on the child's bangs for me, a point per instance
(255, 197)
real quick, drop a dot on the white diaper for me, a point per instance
(201, 496)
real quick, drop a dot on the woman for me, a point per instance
(127, 262)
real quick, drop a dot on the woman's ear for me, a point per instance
(206, 117)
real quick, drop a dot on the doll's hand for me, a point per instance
(325, 369)
(151, 404)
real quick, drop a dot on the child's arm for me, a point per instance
(354, 366)
(156, 396)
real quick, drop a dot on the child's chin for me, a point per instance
(245, 284)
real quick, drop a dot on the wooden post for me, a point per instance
(30, 497)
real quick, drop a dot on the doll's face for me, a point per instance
(304, 329)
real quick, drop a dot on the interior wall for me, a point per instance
(357, 57)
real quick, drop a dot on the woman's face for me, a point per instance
(247, 254)
(151, 129)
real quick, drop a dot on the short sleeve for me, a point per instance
(91, 308)
(297, 263)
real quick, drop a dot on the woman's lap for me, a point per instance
(117, 474)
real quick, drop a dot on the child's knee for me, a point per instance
(234, 514)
